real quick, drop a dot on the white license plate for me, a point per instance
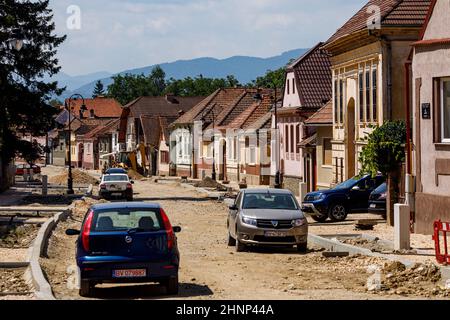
(130, 273)
(274, 234)
(117, 194)
(373, 205)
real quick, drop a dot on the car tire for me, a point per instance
(86, 288)
(231, 240)
(240, 247)
(172, 285)
(321, 218)
(302, 247)
(337, 212)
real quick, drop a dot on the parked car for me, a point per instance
(116, 186)
(266, 217)
(377, 200)
(21, 169)
(336, 203)
(116, 171)
(127, 243)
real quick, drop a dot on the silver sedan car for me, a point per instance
(267, 217)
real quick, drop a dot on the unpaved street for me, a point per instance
(210, 269)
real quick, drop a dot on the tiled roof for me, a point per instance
(161, 106)
(393, 13)
(308, 142)
(155, 128)
(218, 102)
(313, 74)
(263, 122)
(323, 116)
(103, 107)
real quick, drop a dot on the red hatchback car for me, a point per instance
(21, 169)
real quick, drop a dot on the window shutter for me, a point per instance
(436, 110)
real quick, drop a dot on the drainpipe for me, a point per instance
(408, 116)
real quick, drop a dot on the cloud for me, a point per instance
(123, 34)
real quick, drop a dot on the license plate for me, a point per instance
(373, 205)
(274, 234)
(130, 273)
(116, 194)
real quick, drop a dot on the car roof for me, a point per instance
(267, 190)
(125, 205)
(116, 175)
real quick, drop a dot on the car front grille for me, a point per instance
(274, 239)
(280, 224)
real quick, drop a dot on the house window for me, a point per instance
(287, 138)
(327, 158)
(252, 150)
(374, 96)
(165, 157)
(445, 110)
(341, 101)
(367, 118)
(287, 82)
(292, 139)
(361, 97)
(336, 105)
(207, 149)
(297, 137)
(293, 86)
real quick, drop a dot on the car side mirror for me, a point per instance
(356, 188)
(72, 232)
(177, 229)
(233, 207)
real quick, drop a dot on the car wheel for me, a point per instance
(172, 285)
(231, 240)
(240, 247)
(86, 288)
(302, 247)
(338, 212)
(321, 218)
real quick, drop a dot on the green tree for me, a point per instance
(30, 151)
(385, 153)
(270, 79)
(99, 89)
(126, 88)
(199, 86)
(27, 53)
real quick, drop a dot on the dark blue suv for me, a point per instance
(127, 243)
(349, 196)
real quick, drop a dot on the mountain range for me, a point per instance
(244, 68)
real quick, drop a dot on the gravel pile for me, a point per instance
(14, 236)
(79, 177)
(372, 245)
(12, 281)
(419, 280)
(134, 175)
(210, 183)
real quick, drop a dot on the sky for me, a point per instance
(116, 35)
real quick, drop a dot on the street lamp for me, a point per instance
(214, 139)
(83, 108)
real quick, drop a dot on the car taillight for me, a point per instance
(103, 186)
(87, 230)
(129, 186)
(169, 229)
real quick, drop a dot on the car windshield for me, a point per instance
(269, 201)
(116, 171)
(381, 189)
(125, 220)
(348, 184)
(115, 178)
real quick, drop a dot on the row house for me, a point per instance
(307, 89)
(141, 132)
(100, 112)
(367, 57)
(431, 118)
(230, 137)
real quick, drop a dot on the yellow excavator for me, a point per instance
(128, 160)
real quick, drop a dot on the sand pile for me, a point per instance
(134, 175)
(210, 183)
(78, 176)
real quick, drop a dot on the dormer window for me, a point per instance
(92, 113)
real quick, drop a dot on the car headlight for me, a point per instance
(249, 221)
(299, 222)
(382, 196)
(319, 196)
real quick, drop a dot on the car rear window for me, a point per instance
(115, 178)
(123, 220)
(269, 201)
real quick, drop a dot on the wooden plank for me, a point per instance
(332, 254)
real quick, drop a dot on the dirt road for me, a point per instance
(211, 270)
